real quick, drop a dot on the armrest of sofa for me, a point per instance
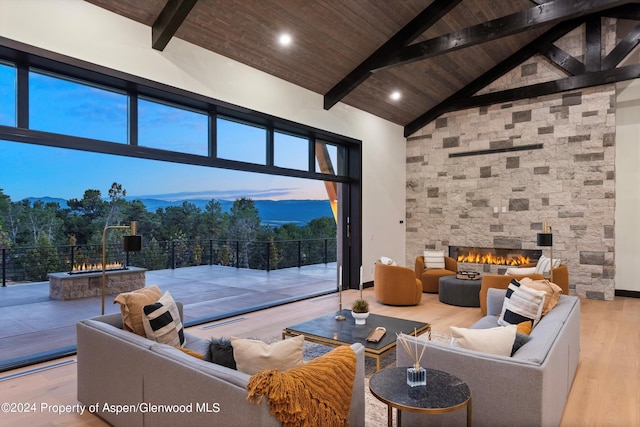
(516, 382)
(108, 368)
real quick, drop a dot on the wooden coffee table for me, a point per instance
(326, 330)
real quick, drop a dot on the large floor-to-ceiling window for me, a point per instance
(190, 148)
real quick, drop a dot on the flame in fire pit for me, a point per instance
(86, 268)
(489, 258)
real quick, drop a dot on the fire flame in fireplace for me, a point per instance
(489, 258)
(79, 268)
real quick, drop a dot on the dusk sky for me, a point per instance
(36, 171)
(65, 107)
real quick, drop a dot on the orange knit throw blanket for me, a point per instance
(317, 393)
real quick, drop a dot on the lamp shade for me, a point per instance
(132, 243)
(545, 239)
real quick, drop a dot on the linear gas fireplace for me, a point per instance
(494, 256)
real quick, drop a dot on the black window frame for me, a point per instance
(25, 57)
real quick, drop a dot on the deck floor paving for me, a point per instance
(34, 324)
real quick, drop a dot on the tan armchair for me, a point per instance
(396, 285)
(430, 277)
(560, 276)
(501, 281)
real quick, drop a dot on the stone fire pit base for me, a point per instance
(65, 286)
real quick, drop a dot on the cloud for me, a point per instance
(271, 193)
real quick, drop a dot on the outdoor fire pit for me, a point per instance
(84, 284)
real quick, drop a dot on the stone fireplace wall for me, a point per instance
(497, 196)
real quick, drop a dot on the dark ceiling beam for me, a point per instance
(450, 104)
(168, 22)
(623, 49)
(564, 60)
(418, 25)
(548, 13)
(586, 80)
(628, 11)
(593, 44)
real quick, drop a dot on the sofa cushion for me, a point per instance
(222, 352)
(162, 323)
(521, 304)
(497, 340)
(434, 259)
(253, 356)
(551, 290)
(131, 304)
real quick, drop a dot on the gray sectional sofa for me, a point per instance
(529, 389)
(126, 376)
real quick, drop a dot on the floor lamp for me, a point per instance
(546, 239)
(132, 243)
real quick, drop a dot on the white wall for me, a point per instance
(80, 30)
(628, 186)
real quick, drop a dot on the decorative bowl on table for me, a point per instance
(467, 275)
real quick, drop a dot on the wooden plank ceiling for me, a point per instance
(332, 38)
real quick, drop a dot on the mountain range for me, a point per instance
(272, 212)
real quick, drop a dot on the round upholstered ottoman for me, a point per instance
(460, 292)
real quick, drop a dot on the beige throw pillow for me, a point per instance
(433, 259)
(493, 340)
(131, 305)
(519, 271)
(253, 356)
(551, 290)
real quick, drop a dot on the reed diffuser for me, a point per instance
(416, 375)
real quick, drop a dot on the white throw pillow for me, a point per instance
(515, 271)
(493, 340)
(433, 259)
(387, 261)
(542, 267)
(253, 356)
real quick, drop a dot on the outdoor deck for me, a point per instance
(34, 324)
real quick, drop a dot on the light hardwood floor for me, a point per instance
(606, 391)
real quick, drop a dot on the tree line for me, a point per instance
(25, 223)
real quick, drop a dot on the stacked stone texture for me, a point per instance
(569, 181)
(63, 286)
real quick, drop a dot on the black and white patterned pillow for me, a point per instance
(162, 322)
(521, 304)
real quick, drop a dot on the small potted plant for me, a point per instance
(360, 311)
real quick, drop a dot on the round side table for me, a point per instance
(442, 393)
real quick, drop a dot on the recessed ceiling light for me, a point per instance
(395, 95)
(285, 39)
